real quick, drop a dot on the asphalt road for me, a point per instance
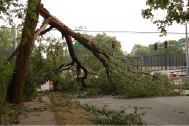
(159, 110)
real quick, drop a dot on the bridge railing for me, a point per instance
(161, 62)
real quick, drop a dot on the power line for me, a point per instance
(97, 17)
(9, 28)
(133, 32)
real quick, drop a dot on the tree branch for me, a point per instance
(46, 30)
(69, 64)
(43, 26)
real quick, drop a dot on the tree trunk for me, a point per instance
(14, 94)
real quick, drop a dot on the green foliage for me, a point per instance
(174, 9)
(7, 41)
(34, 71)
(40, 99)
(62, 104)
(29, 90)
(139, 50)
(160, 86)
(6, 71)
(185, 85)
(6, 8)
(129, 84)
(39, 66)
(112, 117)
(141, 86)
(91, 63)
(105, 43)
(11, 9)
(125, 76)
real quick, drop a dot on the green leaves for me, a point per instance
(140, 50)
(5, 6)
(112, 117)
(175, 12)
(6, 71)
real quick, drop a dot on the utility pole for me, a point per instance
(157, 46)
(15, 39)
(187, 62)
(168, 44)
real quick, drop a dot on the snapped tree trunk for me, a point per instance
(14, 93)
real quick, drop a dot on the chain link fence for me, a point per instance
(161, 62)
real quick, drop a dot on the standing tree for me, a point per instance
(27, 41)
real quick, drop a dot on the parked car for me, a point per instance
(179, 73)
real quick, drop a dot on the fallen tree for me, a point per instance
(111, 68)
(121, 74)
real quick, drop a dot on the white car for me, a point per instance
(179, 73)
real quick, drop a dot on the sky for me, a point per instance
(112, 15)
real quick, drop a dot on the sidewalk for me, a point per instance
(40, 115)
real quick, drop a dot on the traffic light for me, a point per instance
(155, 46)
(165, 44)
(113, 44)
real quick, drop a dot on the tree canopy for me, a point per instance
(175, 10)
(7, 40)
(140, 50)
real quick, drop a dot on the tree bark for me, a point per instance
(14, 94)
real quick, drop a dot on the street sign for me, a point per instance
(76, 45)
(178, 44)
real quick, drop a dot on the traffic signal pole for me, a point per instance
(178, 44)
(187, 62)
(113, 44)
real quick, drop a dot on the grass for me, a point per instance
(10, 114)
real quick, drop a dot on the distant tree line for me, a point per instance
(140, 50)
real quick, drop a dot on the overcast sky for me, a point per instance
(112, 15)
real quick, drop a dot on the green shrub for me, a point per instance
(185, 84)
(6, 71)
